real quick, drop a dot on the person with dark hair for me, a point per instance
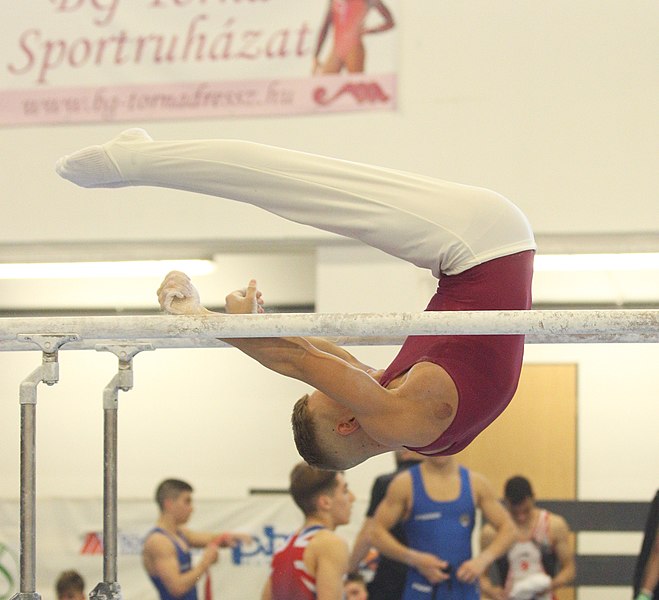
(389, 579)
(541, 560)
(354, 587)
(517, 490)
(313, 562)
(441, 391)
(646, 575)
(166, 553)
(436, 502)
(70, 586)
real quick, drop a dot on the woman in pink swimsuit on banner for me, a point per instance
(348, 18)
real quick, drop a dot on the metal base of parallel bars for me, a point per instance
(106, 591)
(26, 596)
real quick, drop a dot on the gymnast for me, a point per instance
(439, 392)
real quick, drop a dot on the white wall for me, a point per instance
(550, 103)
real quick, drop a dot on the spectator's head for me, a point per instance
(354, 587)
(174, 497)
(70, 586)
(321, 493)
(520, 499)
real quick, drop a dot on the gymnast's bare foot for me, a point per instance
(94, 166)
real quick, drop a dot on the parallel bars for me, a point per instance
(150, 332)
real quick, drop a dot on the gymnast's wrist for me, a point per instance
(644, 594)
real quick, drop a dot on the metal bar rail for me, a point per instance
(541, 326)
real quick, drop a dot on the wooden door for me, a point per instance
(534, 437)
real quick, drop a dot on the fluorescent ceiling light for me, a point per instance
(120, 269)
(646, 261)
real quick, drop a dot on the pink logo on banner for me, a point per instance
(93, 544)
(362, 92)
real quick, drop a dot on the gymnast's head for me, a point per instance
(328, 436)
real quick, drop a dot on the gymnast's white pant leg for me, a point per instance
(445, 227)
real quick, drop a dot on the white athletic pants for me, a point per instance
(445, 227)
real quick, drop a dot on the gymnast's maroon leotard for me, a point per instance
(484, 368)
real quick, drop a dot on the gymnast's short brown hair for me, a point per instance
(304, 433)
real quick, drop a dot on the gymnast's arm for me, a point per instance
(316, 361)
(413, 416)
(326, 345)
(249, 300)
(299, 359)
(177, 295)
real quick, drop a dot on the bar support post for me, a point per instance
(48, 373)
(109, 588)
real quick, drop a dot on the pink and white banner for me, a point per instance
(115, 60)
